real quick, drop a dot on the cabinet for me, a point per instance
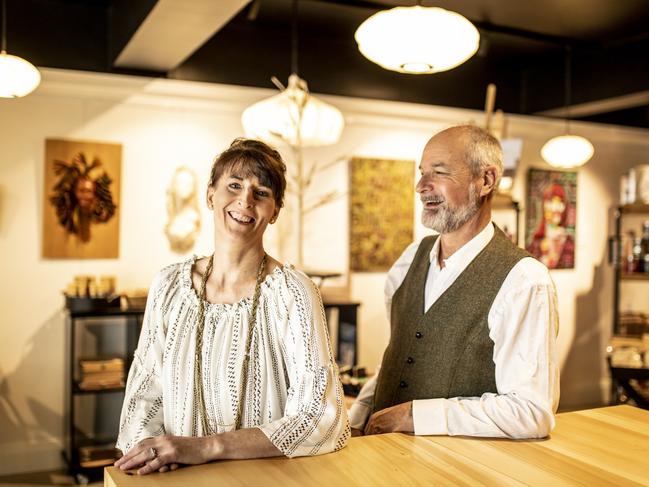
(342, 317)
(629, 376)
(100, 338)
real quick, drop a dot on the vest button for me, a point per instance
(410, 360)
(403, 384)
(418, 334)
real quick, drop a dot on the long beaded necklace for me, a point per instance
(198, 382)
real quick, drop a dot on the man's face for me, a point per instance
(84, 191)
(447, 188)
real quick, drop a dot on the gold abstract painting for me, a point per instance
(81, 200)
(381, 212)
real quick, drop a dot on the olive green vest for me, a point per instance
(445, 352)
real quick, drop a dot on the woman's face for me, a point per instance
(553, 210)
(242, 206)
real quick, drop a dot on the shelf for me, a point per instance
(107, 312)
(626, 373)
(639, 276)
(78, 390)
(635, 208)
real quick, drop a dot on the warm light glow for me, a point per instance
(417, 40)
(275, 119)
(506, 183)
(567, 151)
(17, 76)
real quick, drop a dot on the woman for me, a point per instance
(234, 358)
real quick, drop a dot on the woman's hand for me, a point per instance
(163, 453)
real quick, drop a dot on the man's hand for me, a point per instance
(163, 453)
(356, 432)
(395, 418)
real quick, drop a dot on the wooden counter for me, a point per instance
(607, 446)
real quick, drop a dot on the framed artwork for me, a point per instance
(381, 202)
(550, 217)
(81, 200)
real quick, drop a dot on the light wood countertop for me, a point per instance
(607, 446)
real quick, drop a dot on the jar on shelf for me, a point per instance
(642, 183)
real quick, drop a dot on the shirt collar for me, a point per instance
(468, 251)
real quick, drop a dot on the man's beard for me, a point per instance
(445, 219)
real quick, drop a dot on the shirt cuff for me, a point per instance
(429, 417)
(358, 415)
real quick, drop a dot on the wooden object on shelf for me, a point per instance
(595, 447)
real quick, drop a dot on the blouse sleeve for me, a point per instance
(142, 414)
(315, 419)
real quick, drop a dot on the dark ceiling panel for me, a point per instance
(58, 33)
(125, 16)
(522, 49)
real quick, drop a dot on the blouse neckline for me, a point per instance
(186, 279)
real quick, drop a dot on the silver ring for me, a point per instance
(153, 452)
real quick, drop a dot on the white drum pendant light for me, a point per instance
(18, 77)
(294, 116)
(417, 40)
(567, 151)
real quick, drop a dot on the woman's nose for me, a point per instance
(246, 198)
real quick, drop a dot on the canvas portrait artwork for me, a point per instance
(551, 217)
(381, 212)
(81, 200)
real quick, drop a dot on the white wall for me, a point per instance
(163, 124)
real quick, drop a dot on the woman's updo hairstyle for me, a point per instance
(250, 157)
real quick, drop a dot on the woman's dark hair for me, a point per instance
(253, 157)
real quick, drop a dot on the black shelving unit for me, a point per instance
(624, 378)
(76, 439)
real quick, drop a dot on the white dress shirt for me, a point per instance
(523, 324)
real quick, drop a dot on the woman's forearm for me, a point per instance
(242, 444)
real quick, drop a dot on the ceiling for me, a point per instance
(243, 42)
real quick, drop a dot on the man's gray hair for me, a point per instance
(482, 150)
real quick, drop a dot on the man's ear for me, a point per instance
(208, 197)
(488, 181)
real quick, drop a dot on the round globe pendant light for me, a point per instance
(567, 151)
(417, 40)
(18, 77)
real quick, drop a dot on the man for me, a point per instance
(473, 318)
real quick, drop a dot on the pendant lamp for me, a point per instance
(298, 119)
(567, 151)
(417, 40)
(294, 116)
(18, 77)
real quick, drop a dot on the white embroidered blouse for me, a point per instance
(293, 393)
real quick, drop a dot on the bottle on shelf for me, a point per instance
(636, 256)
(626, 245)
(644, 243)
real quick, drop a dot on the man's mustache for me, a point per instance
(432, 198)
